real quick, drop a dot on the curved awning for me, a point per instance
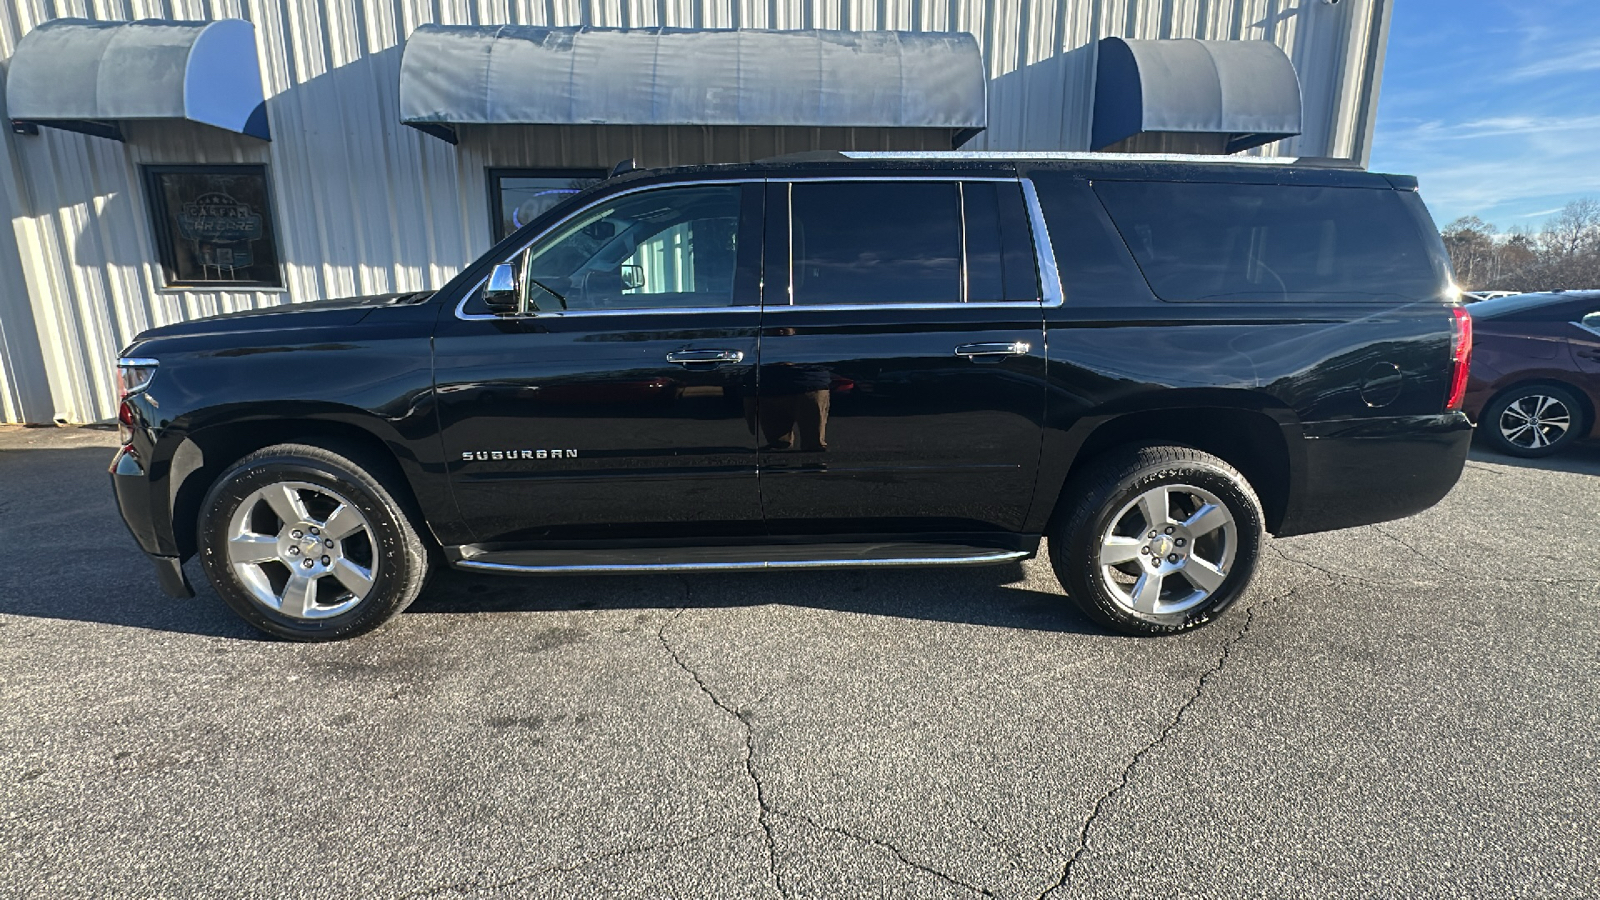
(515, 74)
(87, 76)
(1245, 91)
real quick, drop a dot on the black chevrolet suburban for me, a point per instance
(830, 360)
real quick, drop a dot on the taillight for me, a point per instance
(1460, 356)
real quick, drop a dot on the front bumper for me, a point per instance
(131, 485)
(1363, 471)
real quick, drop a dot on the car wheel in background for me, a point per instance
(1533, 420)
(305, 544)
(1156, 539)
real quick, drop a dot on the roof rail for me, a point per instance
(980, 155)
(1077, 156)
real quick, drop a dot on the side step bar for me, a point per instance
(700, 559)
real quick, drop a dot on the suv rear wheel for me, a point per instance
(1156, 539)
(1533, 420)
(305, 544)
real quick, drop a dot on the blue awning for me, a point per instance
(514, 74)
(1245, 91)
(85, 75)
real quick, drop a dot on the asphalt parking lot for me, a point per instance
(1405, 710)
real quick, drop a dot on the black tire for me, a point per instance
(387, 549)
(1528, 443)
(1104, 500)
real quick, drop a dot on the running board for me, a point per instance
(700, 559)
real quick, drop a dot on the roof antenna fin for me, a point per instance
(627, 165)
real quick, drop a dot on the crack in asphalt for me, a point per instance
(765, 814)
(478, 884)
(885, 845)
(1496, 579)
(1339, 576)
(1336, 576)
(1161, 738)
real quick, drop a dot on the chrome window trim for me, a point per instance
(1579, 323)
(861, 307)
(1044, 256)
(1044, 251)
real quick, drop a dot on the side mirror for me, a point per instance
(501, 294)
(632, 277)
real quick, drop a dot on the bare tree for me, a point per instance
(1574, 231)
(1563, 255)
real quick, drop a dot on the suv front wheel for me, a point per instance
(1156, 539)
(305, 544)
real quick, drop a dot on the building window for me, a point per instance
(213, 225)
(518, 196)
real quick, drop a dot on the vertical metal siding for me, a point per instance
(364, 204)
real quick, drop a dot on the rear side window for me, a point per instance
(1001, 265)
(1273, 243)
(876, 242)
(865, 242)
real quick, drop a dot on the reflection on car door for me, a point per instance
(902, 366)
(613, 405)
(1586, 340)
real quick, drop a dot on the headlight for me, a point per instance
(134, 374)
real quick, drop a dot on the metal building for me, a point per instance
(171, 159)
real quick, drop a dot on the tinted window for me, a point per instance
(1272, 242)
(675, 247)
(876, 242)
(1095, 267)
(981, 215)
(1016, 239)
(1000, 260)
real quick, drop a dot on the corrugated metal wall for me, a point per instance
(367, 205)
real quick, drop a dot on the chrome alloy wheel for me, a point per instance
(286, 539)
(1535, 421)
(1170, 530)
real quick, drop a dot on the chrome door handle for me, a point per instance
(703, 357)
(1013, 348)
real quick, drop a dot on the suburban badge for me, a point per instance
(501, 455)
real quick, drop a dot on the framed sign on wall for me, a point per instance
(213, 225)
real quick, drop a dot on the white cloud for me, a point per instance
(1559, 60)
(1495, 166)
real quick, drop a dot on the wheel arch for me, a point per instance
(1250, 439)
(205, 453)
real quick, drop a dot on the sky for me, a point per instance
(1494, 105)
